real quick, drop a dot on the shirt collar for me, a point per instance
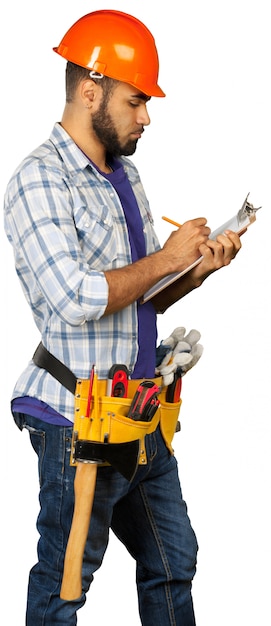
(73, 157)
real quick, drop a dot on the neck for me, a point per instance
(106, 169)
(86, 140)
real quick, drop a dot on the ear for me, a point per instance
(88, 92)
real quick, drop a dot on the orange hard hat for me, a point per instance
(114, 44)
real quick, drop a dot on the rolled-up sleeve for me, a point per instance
(50, 261)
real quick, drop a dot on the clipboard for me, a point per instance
(245, 216)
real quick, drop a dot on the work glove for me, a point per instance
(178, 353)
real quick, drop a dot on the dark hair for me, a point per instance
(75, 74)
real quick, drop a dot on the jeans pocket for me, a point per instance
(37, 435)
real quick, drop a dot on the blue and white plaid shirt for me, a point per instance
(67, 226)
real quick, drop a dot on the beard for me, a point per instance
(106, 132)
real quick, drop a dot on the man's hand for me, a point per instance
(182, 247)
(216, 254)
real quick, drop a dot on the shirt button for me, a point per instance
(86, 224)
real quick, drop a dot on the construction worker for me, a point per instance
(85, 252)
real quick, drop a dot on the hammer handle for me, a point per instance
(84, 488)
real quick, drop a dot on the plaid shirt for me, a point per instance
(67, 226)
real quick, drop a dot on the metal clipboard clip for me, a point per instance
(245, 216)
(247, 211)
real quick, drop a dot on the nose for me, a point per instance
(143, 115)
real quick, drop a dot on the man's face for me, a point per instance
(120, 119)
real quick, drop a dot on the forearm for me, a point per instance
(128, 284)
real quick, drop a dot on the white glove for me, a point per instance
(178, 351)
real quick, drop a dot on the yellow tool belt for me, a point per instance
(105, 435)
(108, 423)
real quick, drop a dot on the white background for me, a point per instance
(207, 147)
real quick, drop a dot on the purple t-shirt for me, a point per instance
(147, 331)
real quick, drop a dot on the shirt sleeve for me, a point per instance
(39, 222)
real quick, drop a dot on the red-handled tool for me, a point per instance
(117, 382)
(89, 401)
(145, 402)
(174, 389)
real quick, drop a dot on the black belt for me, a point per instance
(44, 359)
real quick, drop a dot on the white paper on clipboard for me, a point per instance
(245, 216)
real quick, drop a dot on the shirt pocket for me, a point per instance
(97, 237)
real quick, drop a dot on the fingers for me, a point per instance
(182, 246)
(194, 231)
(231, 243)
(232, 236)
(224, 249)
(199, 224)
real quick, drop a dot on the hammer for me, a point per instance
(124, 458)
(84, 488)
(90, 454)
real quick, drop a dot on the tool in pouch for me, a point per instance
(117, 382)
(145, 401)
(174, 389)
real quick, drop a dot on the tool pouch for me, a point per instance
(108, 435)
(108, 422)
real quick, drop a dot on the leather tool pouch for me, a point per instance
(108, 422)
(108, 435)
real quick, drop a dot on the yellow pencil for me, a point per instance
(167, 219)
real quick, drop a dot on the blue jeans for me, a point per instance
(148, 515)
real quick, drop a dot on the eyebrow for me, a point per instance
(141, 96)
